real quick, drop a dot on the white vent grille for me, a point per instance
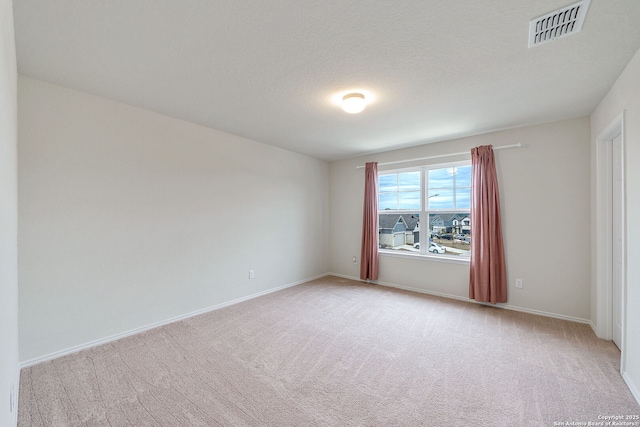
(559, 23)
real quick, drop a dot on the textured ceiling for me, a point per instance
(271, 70)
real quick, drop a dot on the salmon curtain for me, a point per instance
(369, 251)
(488, 278)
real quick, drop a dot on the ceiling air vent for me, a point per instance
(559, 23)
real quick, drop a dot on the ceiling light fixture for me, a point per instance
(353, 103)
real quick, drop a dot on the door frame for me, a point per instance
(603, 249)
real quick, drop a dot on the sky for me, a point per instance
(448, 188)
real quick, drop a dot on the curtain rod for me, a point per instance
(518, 145)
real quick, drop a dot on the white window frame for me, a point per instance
(424, 214)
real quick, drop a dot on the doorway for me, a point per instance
(610, 236)
(617, 238)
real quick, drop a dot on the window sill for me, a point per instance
(437, 258)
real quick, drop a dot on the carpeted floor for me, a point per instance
(334, 352)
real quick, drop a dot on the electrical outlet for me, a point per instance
(252, 274)
(355, 260)
(519, 283)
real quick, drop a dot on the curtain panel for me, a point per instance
(369, 251)
(488, 278)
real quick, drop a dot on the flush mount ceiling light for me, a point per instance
(353, 103)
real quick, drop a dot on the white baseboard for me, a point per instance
(94, 343)
(632, 386)
(593, 327)
(105, 340)
(465, 299)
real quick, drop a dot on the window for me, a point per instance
(440, 196)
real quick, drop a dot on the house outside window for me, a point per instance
(427, 204)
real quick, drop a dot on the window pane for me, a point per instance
(409, 181)
(441, 199)
(399, 232)
(441, 178)
(409, 200)
(449, 234)
(399, 191)
(388, 183)
(388, 201)
(463, 176)
(463, 198)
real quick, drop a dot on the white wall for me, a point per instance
(128, 218)
(545, 198)
(625, 96)
(8, 217)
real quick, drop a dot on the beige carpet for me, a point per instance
(334, 352)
